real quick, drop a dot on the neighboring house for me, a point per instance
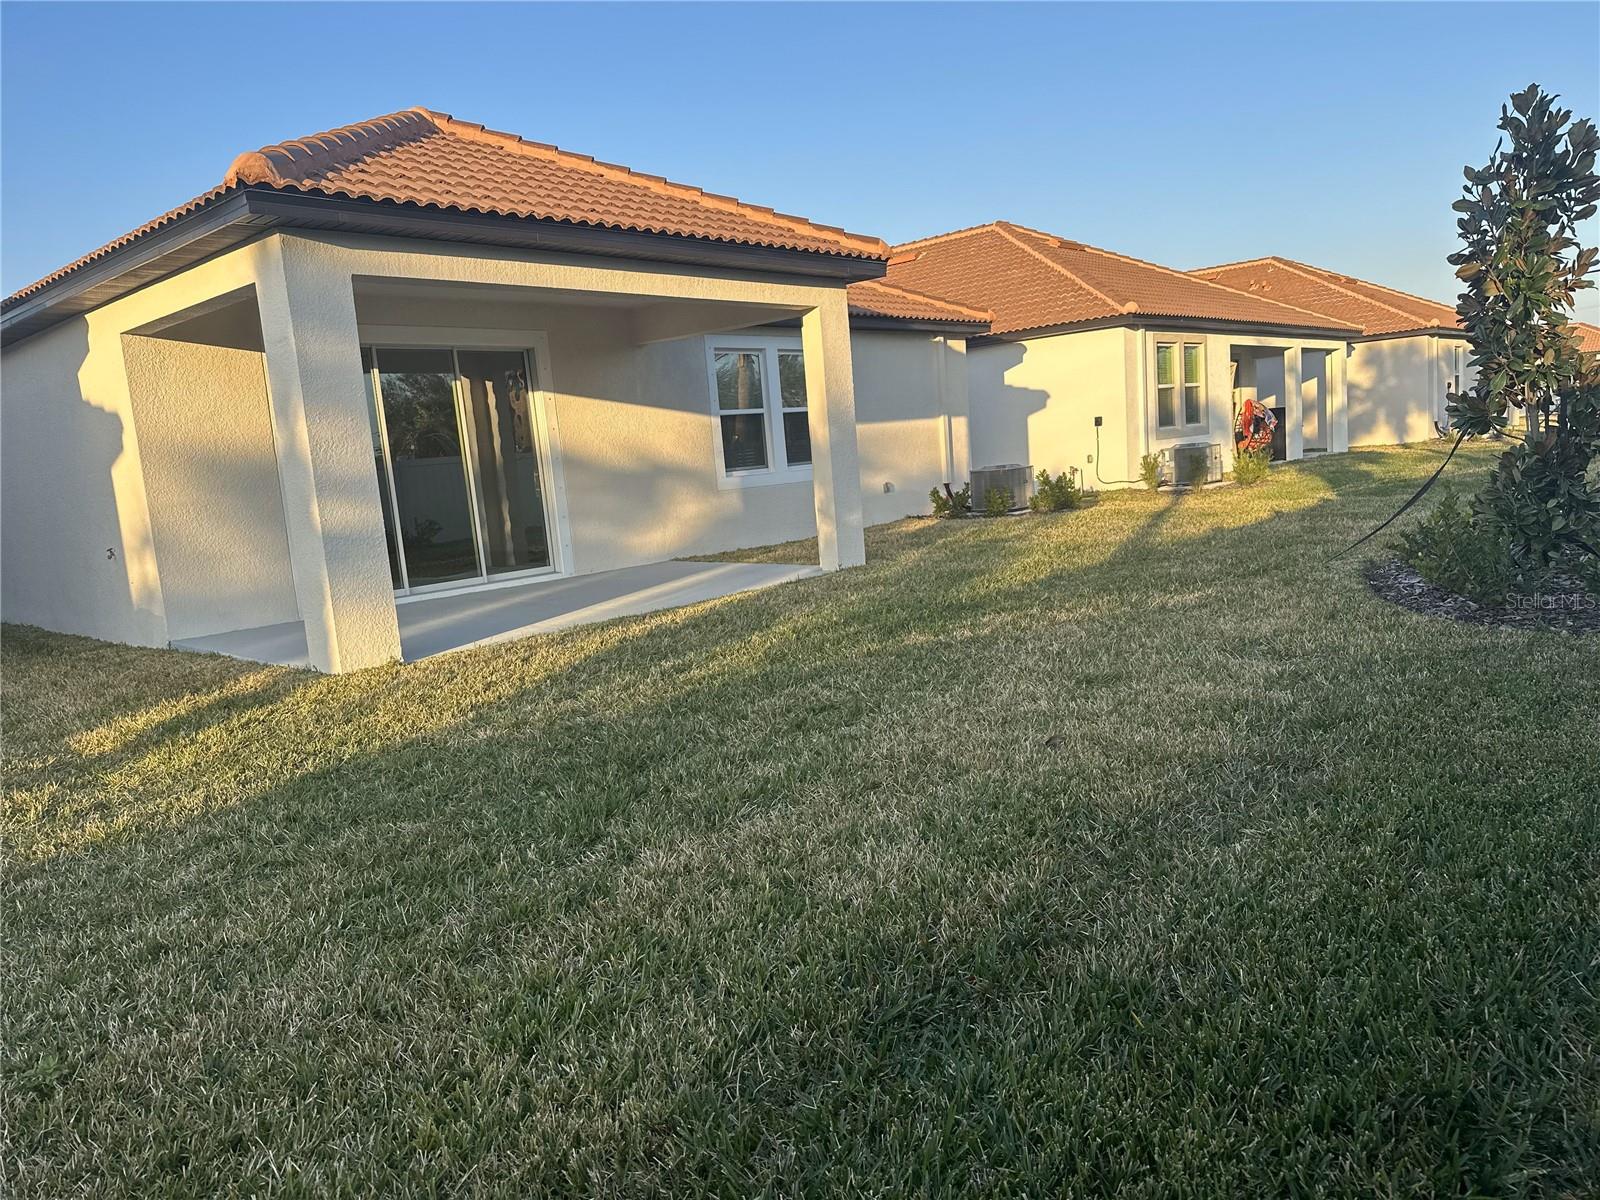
(1095, 359)
(414, 354)
(1588, 337)
(1409, 354)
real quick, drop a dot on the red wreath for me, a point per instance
(1255, 426)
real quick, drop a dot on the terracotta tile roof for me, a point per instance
(148, 227)
(1588, 337)
(1375, 309)
(423, 157)
(875, 298)
(1033, 280)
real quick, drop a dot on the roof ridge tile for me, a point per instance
(1243, 262)
(1126, 306)
(980, 313)
(1213, 283)
(1392, 291)
(1053, 238)
(1340, 282)
(968, 231)
(658, 183)
(320, 151)
(1322, 275)
(1132, 306)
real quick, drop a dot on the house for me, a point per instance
(1409, 354)
(1095, 359)
(413, 358)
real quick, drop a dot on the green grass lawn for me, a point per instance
(1129, 850)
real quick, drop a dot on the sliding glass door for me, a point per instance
(457, 455)
(499, 412)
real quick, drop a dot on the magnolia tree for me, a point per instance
(1522, 266)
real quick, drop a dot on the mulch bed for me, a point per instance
(1566, 606)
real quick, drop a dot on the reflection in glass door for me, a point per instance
(430, 469)
(381, 459)
(457, 457)
(496, 399)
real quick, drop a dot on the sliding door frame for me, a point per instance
(534, 345)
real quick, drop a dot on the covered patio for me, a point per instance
(1302, 383)
(433, 625)
(355, 454)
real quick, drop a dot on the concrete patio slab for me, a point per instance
(432, 625)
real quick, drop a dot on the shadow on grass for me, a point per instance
(769, 885)
(929, 584)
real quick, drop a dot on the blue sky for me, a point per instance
(1188, 134)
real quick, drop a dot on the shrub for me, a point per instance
(1058, 494)
(1150, 471)
(948, 504)
(997, 502)
(1461, 552)
(1251, 466)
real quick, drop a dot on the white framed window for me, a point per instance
(1180, 384)
(739, 388)
(761, 427)
(792, 396)
(1194, 374)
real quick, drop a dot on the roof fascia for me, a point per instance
(1443, 331)
(921, 325)
(1178, 325)
(240, 215)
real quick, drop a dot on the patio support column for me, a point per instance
(1294, 417)
(1338, 413)
(831, 407)
(331, 505)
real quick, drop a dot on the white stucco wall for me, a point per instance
(911, 417)
(75, 552)
(1391, 391)
(1268, 381)
(1397, 387)
(1034, 402)
(211, 481)
(638, 447)
(907, 383)
(641, 462)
